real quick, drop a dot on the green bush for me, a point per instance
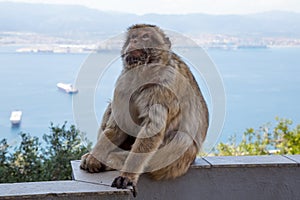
(281, 139)
(33, 161)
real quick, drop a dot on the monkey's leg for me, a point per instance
(146, 144)
(116, 159)
(177, 167)
(91, 162)
(105, 118)
(96, 160)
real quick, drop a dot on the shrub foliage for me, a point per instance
(267, 139)
(32, 160)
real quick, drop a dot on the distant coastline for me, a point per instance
(90, 49)
(48, 44)
(28, 42)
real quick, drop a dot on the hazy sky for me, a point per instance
(182, 6)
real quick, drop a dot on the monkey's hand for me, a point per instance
(91, 164)
(123, 182)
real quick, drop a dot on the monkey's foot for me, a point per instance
(91, 164)
(123, 183)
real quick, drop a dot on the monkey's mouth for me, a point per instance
(136, 57)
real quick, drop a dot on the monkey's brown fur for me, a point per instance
(169, 113)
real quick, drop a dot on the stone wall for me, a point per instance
(243, 177)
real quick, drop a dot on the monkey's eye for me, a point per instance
(146, 36)
(133, 36)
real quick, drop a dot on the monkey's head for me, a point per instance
(145, 44)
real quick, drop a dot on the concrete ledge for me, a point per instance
(245, 177)
(60, 190)
(295, 158)
(230, 177)
(251, 161)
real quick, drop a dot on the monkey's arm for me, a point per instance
(148, 140)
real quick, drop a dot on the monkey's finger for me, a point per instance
(118, 182)
(114, 183)
(125, 183)
(133, 189)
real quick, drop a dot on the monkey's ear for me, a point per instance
(168, 42)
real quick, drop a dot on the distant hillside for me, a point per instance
(79, 20)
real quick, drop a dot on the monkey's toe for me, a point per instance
(123, 182)
(91, 164)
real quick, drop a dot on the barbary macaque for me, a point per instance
(158, 118)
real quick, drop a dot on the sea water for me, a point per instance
(260, 84)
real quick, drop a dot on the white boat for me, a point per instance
(15, 117)
(68, 88)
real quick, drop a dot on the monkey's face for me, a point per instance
(144, 44)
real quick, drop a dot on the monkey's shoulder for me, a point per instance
(179, 65)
